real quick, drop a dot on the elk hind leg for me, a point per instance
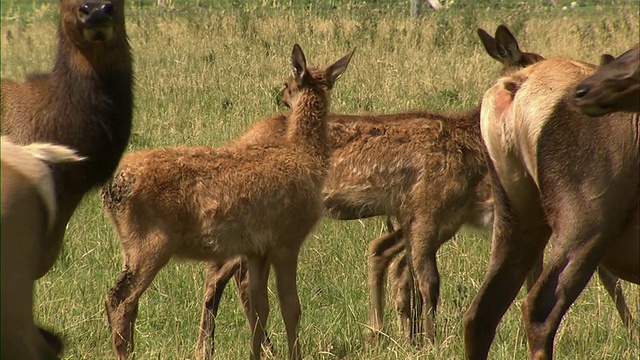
(515, 247)
(611, 283)
(565, 275)
(381, 252)
(405, 297)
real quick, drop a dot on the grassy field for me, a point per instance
(204, 75)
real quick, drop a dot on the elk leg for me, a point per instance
(381, 251)
(216, 280)
(421, 253)
(611, 283)
(402, 289)
(285, 265)
(122, 301)
(241, 278)
(514, 250)
(574, 259)
(535, 272)
(51, 248)
(258, 302)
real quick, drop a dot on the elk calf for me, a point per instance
(553, 171)
(367, 168)
(424, 168)
(214, 204)
(28, 214)
(615, 86)
(85, 103)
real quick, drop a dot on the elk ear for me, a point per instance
(298, 64)
(335, 70)
(489, 44)
(507, 45)
(606, 58)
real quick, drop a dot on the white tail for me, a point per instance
(29, 160)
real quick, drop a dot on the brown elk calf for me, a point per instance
(214, 204)
(349, 194)
(424, 168)
(85, 103)
(615, 86)
(28, 214)
(554, 171)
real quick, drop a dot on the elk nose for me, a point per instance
(107, 8)
(95, 12)
(581, 91)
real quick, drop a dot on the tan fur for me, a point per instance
(28, 211)
(349, 193)
(614, 87)
(84, 103)
(29, 159)
(214, 204)
(424, 168)
(554, 171)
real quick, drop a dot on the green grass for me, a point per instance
(204, 76)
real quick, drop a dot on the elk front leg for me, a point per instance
(216, 280)
(241, 277)
(381, 251)
(285, 264)
(258, 302)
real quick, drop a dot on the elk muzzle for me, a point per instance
(95, 21)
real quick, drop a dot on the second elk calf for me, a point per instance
(205, 203)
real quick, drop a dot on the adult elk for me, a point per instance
(28, 214)
(215, 204)
(615, 86)
(554, 172)
(85, 103)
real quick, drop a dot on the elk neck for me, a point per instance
(308, 122)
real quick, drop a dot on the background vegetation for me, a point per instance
(207, 70)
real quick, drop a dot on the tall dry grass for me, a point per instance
(204, 75)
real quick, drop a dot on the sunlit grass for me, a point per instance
(204, 76)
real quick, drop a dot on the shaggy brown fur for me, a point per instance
(554, 171)
(427, 172)
(215, 204)
(614, 87)
(28, 213)
(350, 195)
(84, 103)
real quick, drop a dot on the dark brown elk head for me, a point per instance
(504, 48)
(615, 86)
(92, 22)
